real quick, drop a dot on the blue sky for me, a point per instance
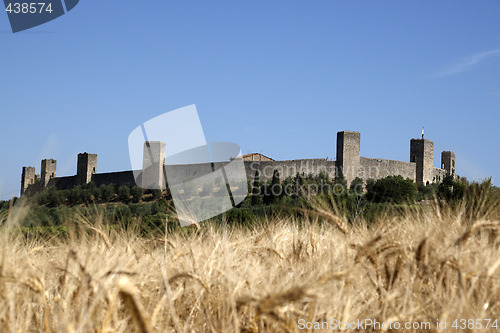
(281, 77)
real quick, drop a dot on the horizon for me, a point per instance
(278, 78)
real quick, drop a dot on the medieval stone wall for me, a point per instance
(290, 168)
(63, 183)
(376, 168)
(118, 178)
(349, 163)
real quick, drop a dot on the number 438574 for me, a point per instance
(29, 8)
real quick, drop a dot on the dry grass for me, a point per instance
(431, 265)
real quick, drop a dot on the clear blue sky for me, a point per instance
(281, 77)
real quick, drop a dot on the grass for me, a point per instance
(422, 266)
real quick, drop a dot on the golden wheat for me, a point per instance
(432, 265)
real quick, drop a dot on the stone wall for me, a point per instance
(63, 183)
(290, 168)
(118, 178)
(180, 173)
(376, 168)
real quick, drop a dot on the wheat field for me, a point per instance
(280, 275)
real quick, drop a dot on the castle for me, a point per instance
(348, 164)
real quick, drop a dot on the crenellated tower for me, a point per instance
(153, 162)
(28, 178)
(86, 167)
(448, 162)
(422, 153)
(348, 155)
(48, 171)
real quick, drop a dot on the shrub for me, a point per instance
(451, 189)
(137, 193)
(85, 196)
(393, 189)
(107, 192)
(4, 205)
(73, 195)
(123, 193)
(357, 186)
(123, 215)
(96, 193)
(140, 210)
(427, 192)
(160, 206)
(156, 194)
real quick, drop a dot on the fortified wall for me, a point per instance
(349, 164)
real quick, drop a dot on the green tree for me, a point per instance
(137, 193)
(256, 195)
(156, 194)
(451, 189)
(85, 195)
(73, 195)
(356, 186)
(340, 186)
(123, 193)
(107, 192)
(298, 185)
(274, 190)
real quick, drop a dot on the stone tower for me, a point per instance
(422, 153)
(153, 162)
(48, 171)
(86, 167)
(448, 162)
(348, 150)
(27, 178)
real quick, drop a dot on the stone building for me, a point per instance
(256, 157)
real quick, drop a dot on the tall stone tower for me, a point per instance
(348, 150)
(422, 153)
(48, 171)
(448, 162)
(86, 167)
(153, 161)
(27, 178)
